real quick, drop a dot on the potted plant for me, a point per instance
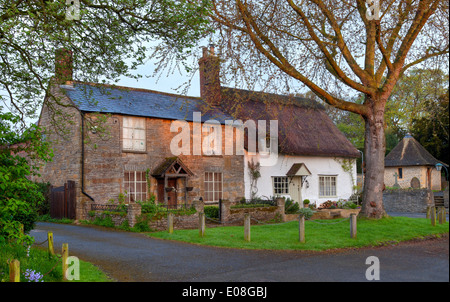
(306, 203)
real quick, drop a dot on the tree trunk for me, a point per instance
(375, 146)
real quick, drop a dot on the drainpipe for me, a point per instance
(82, 158)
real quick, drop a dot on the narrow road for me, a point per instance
(134, 257)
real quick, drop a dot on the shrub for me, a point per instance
(306, 212)
(291, 207)
(212, 211)
(19, 197)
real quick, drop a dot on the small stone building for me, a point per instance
(410, 165)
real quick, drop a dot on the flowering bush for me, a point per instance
(340, 204)
(33, 276)
(328, 205)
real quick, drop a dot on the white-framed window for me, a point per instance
(213, 186)
(135, 186)
(327, 185)
(280, 185)
(133, 130)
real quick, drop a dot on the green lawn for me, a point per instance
(323, 236)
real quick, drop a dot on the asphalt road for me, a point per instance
(134, 257)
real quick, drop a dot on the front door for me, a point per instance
(171, 196)
(295, 189)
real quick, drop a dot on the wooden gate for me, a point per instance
(62, 201)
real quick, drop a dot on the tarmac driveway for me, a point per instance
(134, 257)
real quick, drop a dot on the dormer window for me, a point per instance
(133, 134)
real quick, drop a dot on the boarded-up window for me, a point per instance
(133, 134)
(213, 186)
(327, 186)
(135, 185)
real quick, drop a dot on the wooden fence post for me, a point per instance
(14, 271)
(65, 255)
(51, 251)
(353, 228)
(301, 228)
(441, 215)
(201, 224)
(170, 223)
(433, 216)
(247, 227)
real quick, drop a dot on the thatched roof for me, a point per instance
(409, 152)
(304, 127)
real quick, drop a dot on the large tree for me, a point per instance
(335, 48)
(109, 39)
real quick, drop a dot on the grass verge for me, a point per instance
(49, 268)
(320, 234)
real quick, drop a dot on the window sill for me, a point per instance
(134, 151)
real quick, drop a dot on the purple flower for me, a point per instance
(33, 276)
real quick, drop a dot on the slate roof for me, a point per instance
(140, 102)
(409, 152)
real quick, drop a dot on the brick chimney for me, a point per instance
(210, 77)
(63, 66)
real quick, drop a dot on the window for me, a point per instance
(213, 186)
(327, 186)
(280, 185)
(400, 173)
(133, 134)
(135, 185)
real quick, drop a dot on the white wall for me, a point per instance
(316, 165)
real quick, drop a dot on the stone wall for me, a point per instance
(407, 200)
(236, 215)
(106, 163)
(158, 223)
(418, 172)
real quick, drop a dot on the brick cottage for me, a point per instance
(115, 143)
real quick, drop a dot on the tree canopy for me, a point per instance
(337, 49)
(109, 40)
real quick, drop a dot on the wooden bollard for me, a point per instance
(201, 224)
(51, 251)
(441, 215)
(247, 227)
(65, 255)
(428, 212)
(14, 271)
(301, 228)
(170, 223)
(433, 216)
(353, 227)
